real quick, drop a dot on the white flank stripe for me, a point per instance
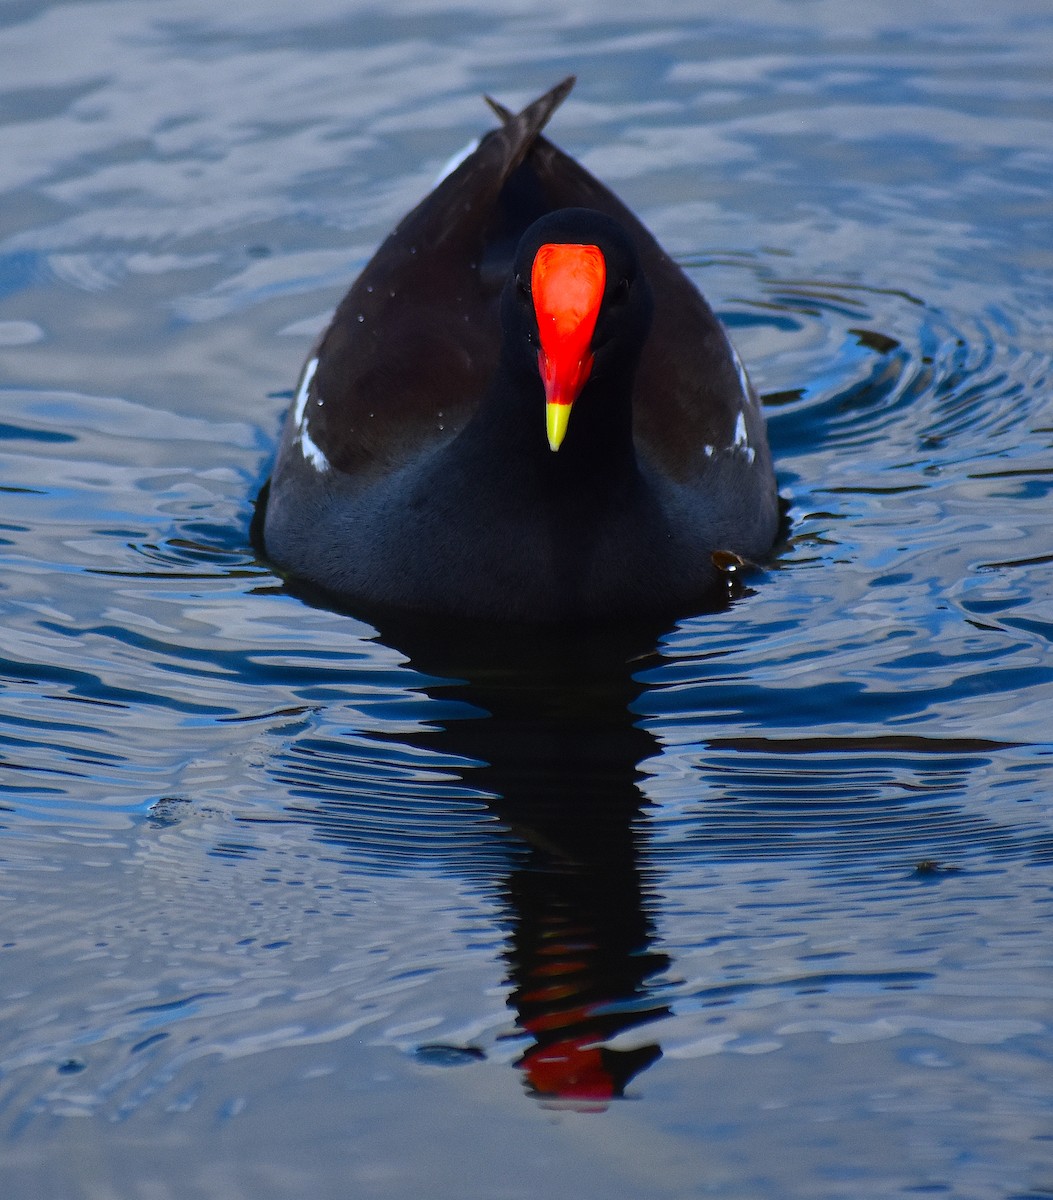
(305, 387)
(744, 381)
(310, 448)
(312, 453)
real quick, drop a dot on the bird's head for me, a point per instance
(577, 306)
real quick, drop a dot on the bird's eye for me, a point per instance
(620, 291)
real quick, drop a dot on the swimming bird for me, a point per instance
(522, 410)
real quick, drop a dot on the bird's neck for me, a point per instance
(597, 454)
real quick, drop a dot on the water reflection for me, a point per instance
(558, 754)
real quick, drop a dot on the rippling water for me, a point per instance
(297, 906)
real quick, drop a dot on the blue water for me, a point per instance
(757, 906)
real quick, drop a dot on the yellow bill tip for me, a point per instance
(557, 417)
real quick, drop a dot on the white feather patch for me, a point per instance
(311, 451)
(742, 441)
(305, 387)
(740, 370)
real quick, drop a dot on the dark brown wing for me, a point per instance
(415, 341)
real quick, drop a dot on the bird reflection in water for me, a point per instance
(558, 752)
(561, 753)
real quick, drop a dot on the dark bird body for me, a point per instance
(414, 471)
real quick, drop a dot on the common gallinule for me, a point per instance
(522, 409)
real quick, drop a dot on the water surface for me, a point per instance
(754, 906)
